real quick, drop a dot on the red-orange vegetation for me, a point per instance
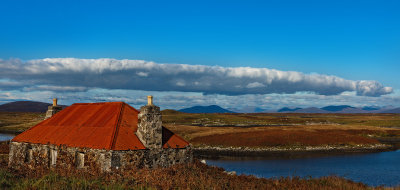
(4, 148)
(278, 137)
(184, 176)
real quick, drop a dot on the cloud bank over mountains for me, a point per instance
(72, 74)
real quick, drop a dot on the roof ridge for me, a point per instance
(132, 108)
(117, 123)
(89, 103)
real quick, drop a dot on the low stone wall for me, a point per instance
(283, 152)
(48, 156)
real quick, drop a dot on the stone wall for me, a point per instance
(49, 156)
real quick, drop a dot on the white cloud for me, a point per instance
(56, 88)
(372, 88)
(142, 74)
(255, 85)
(181, 83)
(82, 74)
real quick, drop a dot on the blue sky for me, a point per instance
(351, 40)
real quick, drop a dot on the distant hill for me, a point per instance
(353, 110)
(341, 109)
(336, 108)
(170, 112)
(286, 109)
(205, 109)
(25, 106)
(311, 110)
(396, 110)
(370, 108)
(258, 110)
(247, 109)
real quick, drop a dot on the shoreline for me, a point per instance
(246, 153)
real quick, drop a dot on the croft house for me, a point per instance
(101, 136)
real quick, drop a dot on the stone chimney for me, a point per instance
(150, 125)
(53, 109)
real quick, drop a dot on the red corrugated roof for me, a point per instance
(108, 125)
(171, 140)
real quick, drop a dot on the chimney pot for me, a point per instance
(54, 101)
(150, 100)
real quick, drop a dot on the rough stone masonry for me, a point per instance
(53, 109)
(150, 125)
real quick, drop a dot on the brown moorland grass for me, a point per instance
(19, 121)
(312, 135)
(279, 137)
(381, 120)
(282, 129)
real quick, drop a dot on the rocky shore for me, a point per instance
(212, 152)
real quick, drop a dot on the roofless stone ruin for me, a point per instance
(99, 136)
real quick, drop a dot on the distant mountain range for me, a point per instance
(336, 108)
(247, 109)
(326, 109)
(286, 109)
(310, 110)
(340, 109)
(205, 109)
(370, 108)
(32, 106)
(25, 106)
(396, 110)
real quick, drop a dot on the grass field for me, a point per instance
(273, 119)
(259, 130)
(267, 130)
(19, 121)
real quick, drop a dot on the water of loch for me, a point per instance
(6, 137)
(371, 168)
